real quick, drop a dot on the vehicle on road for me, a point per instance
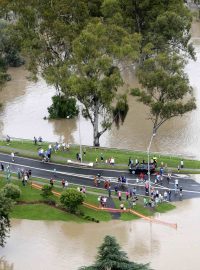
(142, 168)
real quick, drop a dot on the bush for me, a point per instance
(62, 107)
(11, 191)
(46, 192)
(71, 199)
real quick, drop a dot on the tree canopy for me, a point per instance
(78, 47)
(5, 208)
(111, 257)
(165, 88)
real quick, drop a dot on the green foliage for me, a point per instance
(71, 199)
(62, 107)
(11, 191)
(110, 256)
(5, 208)
(165, 88)
(46, 192)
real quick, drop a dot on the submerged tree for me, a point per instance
(165, 88)
(111, 257)
(95, 76)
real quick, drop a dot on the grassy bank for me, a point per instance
(28, 149)
(30, 207)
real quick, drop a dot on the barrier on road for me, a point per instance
(113, 210)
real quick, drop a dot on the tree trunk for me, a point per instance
(96, 127)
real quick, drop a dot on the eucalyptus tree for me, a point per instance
(164, 88)
(77, 46)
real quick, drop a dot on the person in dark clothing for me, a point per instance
(2, 167)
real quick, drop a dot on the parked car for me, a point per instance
(142, 168)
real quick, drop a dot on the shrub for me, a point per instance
(46, 192)
(71, 199)
(62, 107)
(11, 191)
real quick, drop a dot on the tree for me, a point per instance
(111, 257)
(71, 199)
(165, 88)
(11, 191)
(163, 25)
(5, 208)
(77, 46)
(95, 76)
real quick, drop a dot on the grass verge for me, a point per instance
(28, 149)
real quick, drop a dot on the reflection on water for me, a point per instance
(25, 105)
(60, 245)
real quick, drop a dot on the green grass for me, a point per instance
(42, 212)
(27, 148)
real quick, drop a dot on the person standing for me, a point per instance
(13, 156)
(109, 192)
(2, 167)
(119, 195)
(182, 164)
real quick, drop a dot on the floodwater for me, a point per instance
(58, 245)
(25, 105)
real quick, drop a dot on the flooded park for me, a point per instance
(25, 106)
(66, 245)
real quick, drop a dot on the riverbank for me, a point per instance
(98, 156)
(31, 205)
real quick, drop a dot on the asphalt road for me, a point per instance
(85, 176)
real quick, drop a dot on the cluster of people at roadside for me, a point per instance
(24, 175)
(45, 155)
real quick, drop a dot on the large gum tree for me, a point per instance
(77, 46)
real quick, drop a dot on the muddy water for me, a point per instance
(25, 105)
(58, 245)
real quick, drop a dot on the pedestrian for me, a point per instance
(54, 172)
(145, 202)
(129, 161)
(178, 168)
(77, 156)
(127, 195)
(169, 194)
(19, 173)
(182, 164)
(181, 192)
(63, 183)
(102, 158)
(116, 189)
(2, 167)
(13, 156)
(29, 173)
(25, 179)
(51, 182)
(35, 140)
(109, 192)
(84, 189)
(119, 195)
(165, 195)
(66, 184)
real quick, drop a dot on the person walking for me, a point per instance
(13, 157)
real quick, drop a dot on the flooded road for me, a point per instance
(25, 105)
(58, 245)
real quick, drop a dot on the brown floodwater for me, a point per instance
(60, 245)
(25, 105)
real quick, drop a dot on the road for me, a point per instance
(84, 176)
